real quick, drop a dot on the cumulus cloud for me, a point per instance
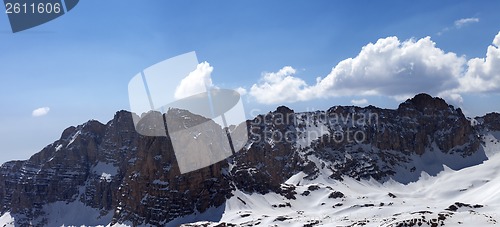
(241, 90)
(388, 67)
(483, 74)
(496, 40)
(392, 68)
(196, 82)
(359, 102)
(464, 21)
(280, 86)
(42, 111)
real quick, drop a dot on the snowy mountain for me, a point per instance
(424, 163)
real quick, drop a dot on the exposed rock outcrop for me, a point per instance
(136, 178)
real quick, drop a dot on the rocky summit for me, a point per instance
(108, 174)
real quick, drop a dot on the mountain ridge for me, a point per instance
(129, 178)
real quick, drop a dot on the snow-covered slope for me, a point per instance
(469, 196)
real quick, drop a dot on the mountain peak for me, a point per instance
(68, 132)
(491, 120)
(425, 101)
(283, 109)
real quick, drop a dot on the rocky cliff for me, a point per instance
(134, 179)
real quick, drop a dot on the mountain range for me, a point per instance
(422, 164)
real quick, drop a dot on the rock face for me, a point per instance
(135, 179)
(71, 169)
(490, 121)
(383, 142)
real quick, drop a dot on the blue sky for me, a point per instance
(79, 65)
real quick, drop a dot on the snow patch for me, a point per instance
(7, 220)
(73, 138)
(106, 171)
(106, 177)
(65, 214)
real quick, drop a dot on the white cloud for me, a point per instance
(483, 74)
(461, 22)
(392, 68)
(388, 67)
(452, 98)
(241, 90)
(458, 24)
(359, 102)
(281, 86)
(196, 82)
(496, 40)
(42, 111)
